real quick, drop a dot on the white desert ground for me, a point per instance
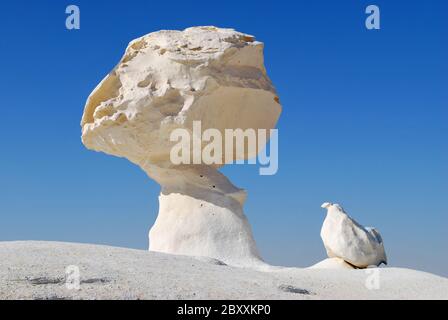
(37, 270)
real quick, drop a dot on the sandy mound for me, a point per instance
(37, 270)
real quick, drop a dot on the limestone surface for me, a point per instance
(346, 239)
(38, 270)
(167, 80)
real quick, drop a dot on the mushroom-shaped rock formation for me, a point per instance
(167, 80)
(346, 239)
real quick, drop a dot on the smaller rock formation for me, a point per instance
(346, 239)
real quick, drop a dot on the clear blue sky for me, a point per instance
(364, 123)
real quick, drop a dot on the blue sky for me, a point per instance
(364, 123)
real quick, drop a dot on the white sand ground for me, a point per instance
(36, 270)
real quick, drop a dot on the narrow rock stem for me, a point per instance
(201, 214)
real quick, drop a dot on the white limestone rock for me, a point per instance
(37, 270)
(167, 80)
(346, 239)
